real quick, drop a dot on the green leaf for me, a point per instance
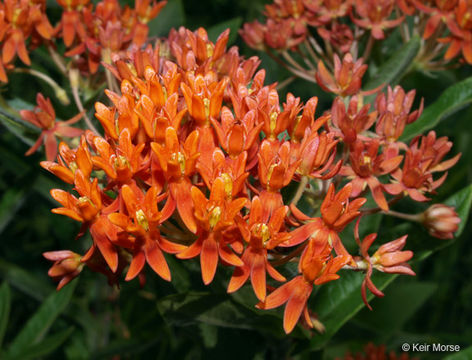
(22, 129)
(338, 301)
(10, 202)
(400, 303)
(233, 25)
(38, 325)
(45, 347)
(465, 354)
(450, 101)
(171, 16)
(396, 66)
(461, 201)
(25, 281)
(5, 302)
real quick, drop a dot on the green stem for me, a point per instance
(60, 92)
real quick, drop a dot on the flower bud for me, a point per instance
(441, 221)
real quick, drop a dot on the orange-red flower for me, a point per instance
(375, 16)
(347, 79)
(394, 112)
(120, 163)
(366, 165)
(44, 117)
(87, 210)
(214, 216)
(261, 235)
(317, 267)
(178, 162)
(388, 258)
(20, 19)
(353, 121)
(336, 212)
(141, 220)
(67, 266)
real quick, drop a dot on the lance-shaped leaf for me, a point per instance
(338, 301)
(38, 325)
(44, 347)
(453, 99)
(393, 69)
(23, 130)
(461, 201)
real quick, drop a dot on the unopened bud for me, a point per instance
(441, 221)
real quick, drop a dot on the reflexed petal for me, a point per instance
(209, 259)
(136, 265)
(258, 276)
(156, 260)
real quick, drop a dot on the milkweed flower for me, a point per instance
(389, 258)
(44, 117)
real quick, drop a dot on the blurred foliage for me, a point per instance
(187, 320)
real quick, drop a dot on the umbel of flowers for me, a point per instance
(196, 153)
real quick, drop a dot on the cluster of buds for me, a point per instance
(288, 32)
(197, 155)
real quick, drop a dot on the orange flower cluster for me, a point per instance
(21, 20)
(101, 32)
(290, 24)
(197, 159)
(91, 34)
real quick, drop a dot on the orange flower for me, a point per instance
(394, 112)
(262, 235)
(317, 267)
(142, 221)
(276, 170)
(375, 16)
(317, 153)
(422, 159)
(87, 209)
(443, 11)
(347, 78)
(388, 258)
(67, 266)
(339, 35)
(120, 163)
(336, 213)
(44, 117)
(366, 165)
(214, 216)
(19, 20)
(146, 10)
(71, 22)
(70, 161)
(178, 162)
(350, 123)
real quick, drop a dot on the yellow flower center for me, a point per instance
(262, 231)
(228, 185)
(180, 158)
(206, 103)
(214, 216)
(142, 219)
